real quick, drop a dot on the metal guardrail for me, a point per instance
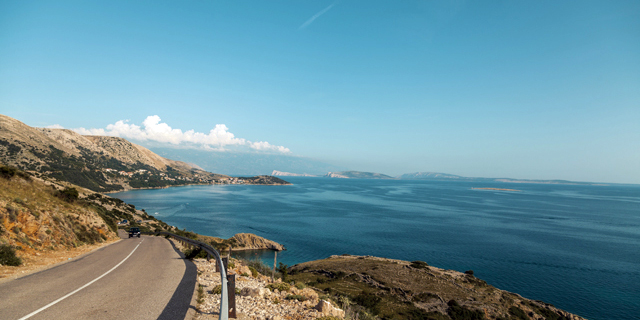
(224, 299)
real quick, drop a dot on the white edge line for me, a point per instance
(86, 285)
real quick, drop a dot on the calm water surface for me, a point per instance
(577, 247)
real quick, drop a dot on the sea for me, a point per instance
(574, 246)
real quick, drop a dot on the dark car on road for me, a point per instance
(134, 232)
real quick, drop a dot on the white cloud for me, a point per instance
(152, 129)
(55, 126)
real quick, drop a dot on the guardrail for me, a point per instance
(224, 299)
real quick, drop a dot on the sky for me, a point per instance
(518, 89)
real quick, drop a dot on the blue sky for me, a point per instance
(520, 89)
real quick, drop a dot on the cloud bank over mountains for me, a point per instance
(152, 129)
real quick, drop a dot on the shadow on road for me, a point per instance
(180, 302)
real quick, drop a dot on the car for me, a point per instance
(133, 232)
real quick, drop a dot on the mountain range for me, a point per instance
(99, 163)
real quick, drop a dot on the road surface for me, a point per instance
(138, 278)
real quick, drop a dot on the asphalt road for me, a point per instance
(141, 278)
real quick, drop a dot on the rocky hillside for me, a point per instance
(395, 289)
(249, 241)
(35, 216)
(97, 163)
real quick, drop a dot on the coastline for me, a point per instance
(195, 184)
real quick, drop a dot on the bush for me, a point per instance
(195, 253)
(469, 272)
(8, 256)
(367, 300)
(296, 297)
(282, 268)
(258, 265)
(68, 194)
(281, 286)
(419, 264)
(518, 313)
(9, 172)
(425, 297)
(458, 312)
(254, 272)
(218, 290)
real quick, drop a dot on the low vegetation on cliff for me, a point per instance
(370, 288)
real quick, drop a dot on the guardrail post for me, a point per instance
(225, 262)
(232, 295)
(275, 258)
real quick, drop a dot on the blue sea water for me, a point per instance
(574, 246)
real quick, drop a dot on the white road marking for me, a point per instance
(86, 285)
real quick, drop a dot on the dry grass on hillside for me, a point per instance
(34, 221)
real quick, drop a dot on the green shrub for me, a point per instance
(12, 213)
(218, 290)
(254, 272)
(9, 172)
(68, 194)
(195, 253)
(458, 312)
(419, 264)
(367, 300)
(296, 297)
(281, 286)
(469, 272)
(424, 297)
(518, 313)
(300, 285)
(8, 256)
(258, 265)
(282, 269)
(200, 298)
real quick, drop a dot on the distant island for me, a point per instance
(445, 177)
(277, 173)
(357, 175)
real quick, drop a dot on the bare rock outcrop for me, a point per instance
(249, 241)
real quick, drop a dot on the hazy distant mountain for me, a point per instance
(445, 176)
(277, 173)
(233, 163)
(429, 176)
(357, 175)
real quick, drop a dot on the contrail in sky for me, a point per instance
(308, 22)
